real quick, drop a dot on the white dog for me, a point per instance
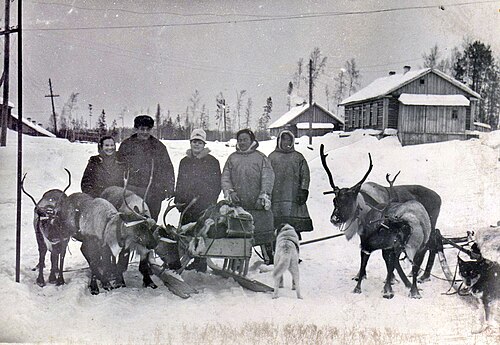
(286, 258)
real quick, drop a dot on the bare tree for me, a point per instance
(194, 104)
(298, 76)
(353, 76)
(289, 91)
(248, 112)
(239, 104)
(340, 86)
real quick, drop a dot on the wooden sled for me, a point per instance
(236, 253)
(175, 285)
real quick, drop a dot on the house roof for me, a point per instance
(435, 100)
(386, 85)
(37, 128)
(320, 125)
(295, 112)
(480, 124)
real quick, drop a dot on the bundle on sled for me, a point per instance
(224, 232)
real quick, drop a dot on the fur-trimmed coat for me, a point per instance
(102, 172)
(292, 175)
(198, 177)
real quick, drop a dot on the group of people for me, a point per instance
(273, 189)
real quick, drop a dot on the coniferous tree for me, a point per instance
(248, 112)
(101, 123)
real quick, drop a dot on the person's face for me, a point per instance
(244, 141)
(286, 142)
(108, 147)
(197, 146)
(143, 132)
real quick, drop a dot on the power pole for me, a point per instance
(310, 100)
(53, 108)
(90, 116)
(5, 107)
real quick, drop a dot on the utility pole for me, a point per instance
(90, 116)
(224, 114)
(310, 100)
(5, 107)
(53, 108)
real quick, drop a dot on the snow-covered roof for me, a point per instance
(317, 125)
(386, 85)
(480, 124)
(295, 112)
(37, 128)
(437, 100)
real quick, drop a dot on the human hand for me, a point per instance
(263, 202)
(234, 198)
(302, 196)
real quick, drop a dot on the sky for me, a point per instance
(128, 56)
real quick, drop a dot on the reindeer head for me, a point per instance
(345, 201)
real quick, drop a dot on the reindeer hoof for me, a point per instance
(150, 285)
(40, 282)
(388, 295)
(356, 290)
(60, 282)
(424, 278)
(118, 285)
(415, 295)
(52, 279)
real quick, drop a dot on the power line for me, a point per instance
(276, 18)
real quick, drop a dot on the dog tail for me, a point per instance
(280, 266)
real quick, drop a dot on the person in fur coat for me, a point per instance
(199, 177)
(291, 186)
(103, 170)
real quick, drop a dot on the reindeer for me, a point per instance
(351, 206)
(49, 235)
(396, 228)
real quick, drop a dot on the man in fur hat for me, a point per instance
(141, 152)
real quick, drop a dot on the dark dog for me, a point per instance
(483, 279)
(49, 235)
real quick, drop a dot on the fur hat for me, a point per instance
(198, 134)
(247, 131)
(144, 120)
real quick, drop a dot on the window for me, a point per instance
(422, 81)
(454, 114)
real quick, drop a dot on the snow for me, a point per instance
(320, 125)
(385, 85)
(465, 173)
(434, 100)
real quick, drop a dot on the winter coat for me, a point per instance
(138, 154)
(198, 177)
(102, 172)
(250, 174)
(292, 175)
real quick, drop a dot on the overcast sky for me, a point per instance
(135, 54)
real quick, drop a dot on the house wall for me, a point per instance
(365, 115)
(424, 124)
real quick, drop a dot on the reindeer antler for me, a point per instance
(391, 184)
(22, 188)
(370, 167)
(169, 208)
(149, 183)
(125, 183)
(327, 169)
(69, 180)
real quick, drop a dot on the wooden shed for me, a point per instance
(297, 120)
(424, 106)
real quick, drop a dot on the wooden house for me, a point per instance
(298, 118)
(30, 127)
(424, 106)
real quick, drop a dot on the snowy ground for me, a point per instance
(465, 173)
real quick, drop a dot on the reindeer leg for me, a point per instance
(54, 264)
(389, 258)
(358, 275)
(417, 261)
(400, 271)
(362, 271)
(42, 251)
(121, 266)
(60, 278)
(146, 273)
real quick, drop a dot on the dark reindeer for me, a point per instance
(396, 228)
(49, 235)
(351, 206)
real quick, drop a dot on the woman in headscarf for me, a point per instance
(291, 187)
(247, 181)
